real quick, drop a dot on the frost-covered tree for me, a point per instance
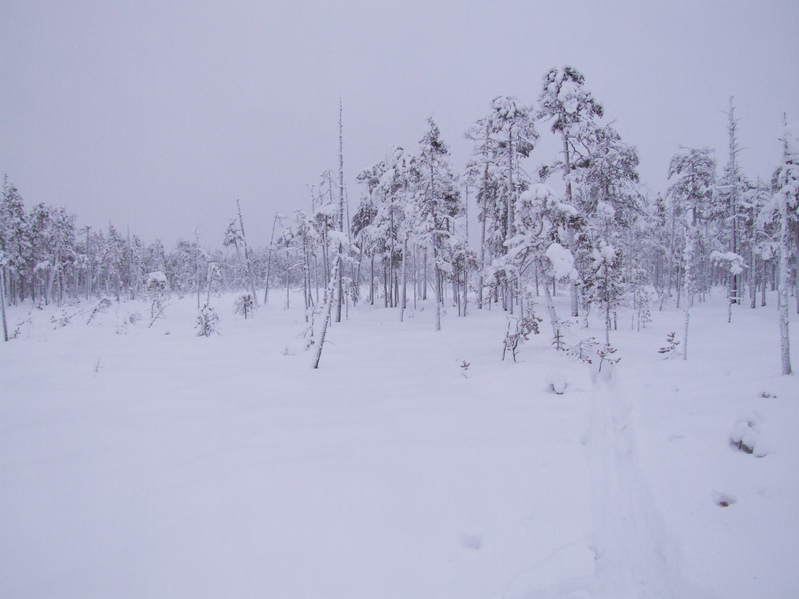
(694, 174)
(383, 223)
(541, 220)
(438, 203)
(15, 241)
(787, 196)
(605, 284)
(503, 138)
(573, 112)
(607, 196)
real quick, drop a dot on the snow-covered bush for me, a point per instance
(670, 349)
(245, 305)
(207, 321)
(519, 330)
(156, 288)
(62, 320)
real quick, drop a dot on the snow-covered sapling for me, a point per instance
(207, 321)
(156, 288)
(584, 350)
(606, 356)
(245, 304)
(465, 368)
(557, 341)
(62, 320)
(670, 349)
(518, 332)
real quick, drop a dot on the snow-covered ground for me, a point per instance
(150, 462)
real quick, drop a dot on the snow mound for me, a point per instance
(746, 436)
(556, 382)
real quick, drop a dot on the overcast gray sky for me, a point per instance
(157, 115)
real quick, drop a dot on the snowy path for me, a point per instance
(634, 556)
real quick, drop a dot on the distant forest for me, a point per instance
(602, 239)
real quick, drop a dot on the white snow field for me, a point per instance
(150, 462)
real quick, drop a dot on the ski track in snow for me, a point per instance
(634, 556)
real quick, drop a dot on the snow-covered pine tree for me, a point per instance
(573, 111)
(541, 220)
(438, 203)
(694, 174)
(15, 241)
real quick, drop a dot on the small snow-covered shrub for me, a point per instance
(207, 321)
(464, 366)
(583, 351)
(304, 340)
(130, 319)
(670, 349)
(23, 328)
(557, 341)
(101, 307)
(156, 288)
(245, 305)
(605, 355)
(62, 320)
(519, 330)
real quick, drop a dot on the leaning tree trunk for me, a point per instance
(328, 314)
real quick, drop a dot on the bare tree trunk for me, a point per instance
(424, 274)
(796, 271)
(465, 286)
(269, 259)
(785, 238)
(687, 282)
(3, 301)
(483, 225)
(247, 257)
(734, 279)
(197, 264)
(553, 317)
(340, 256)
(404, 296)
(372, 280)
(438, 290)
